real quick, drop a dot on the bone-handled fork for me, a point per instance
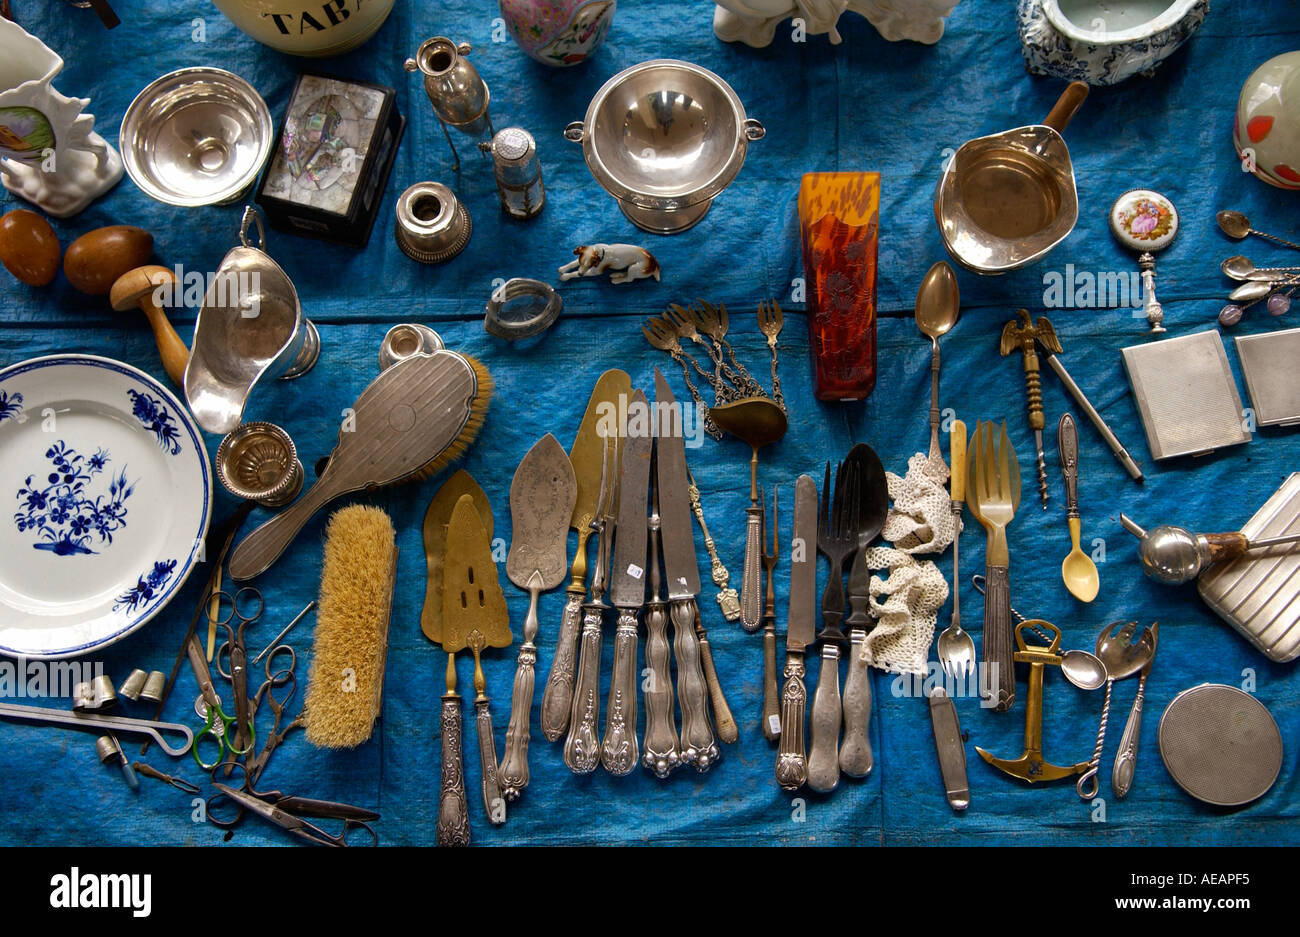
(769, 323)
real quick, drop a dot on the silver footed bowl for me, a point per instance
(196, 136)
(664, 138)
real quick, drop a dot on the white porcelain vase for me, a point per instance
(1103, 42)
(50, 154)
(754, 22)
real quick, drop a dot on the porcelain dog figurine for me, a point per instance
(623, 262)
(754, 22)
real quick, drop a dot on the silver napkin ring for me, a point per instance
(515, 329)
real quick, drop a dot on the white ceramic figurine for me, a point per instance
(49, 151)
(623, 262)
(754, 22)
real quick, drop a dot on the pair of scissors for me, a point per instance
(287, 812)
(285, 682)
(247, 606)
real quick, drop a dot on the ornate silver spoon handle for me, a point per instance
(618, 750)
(1121, 778)
(824, 744)
(698, 745)
(791, 762)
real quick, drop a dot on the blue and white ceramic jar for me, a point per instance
(1103, 42)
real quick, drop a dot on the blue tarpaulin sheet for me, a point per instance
(900, 109)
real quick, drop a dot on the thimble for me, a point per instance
(83, 696)
(108, 749)
(153, 687)
(432, 225)
(105, 696)
(132, 685)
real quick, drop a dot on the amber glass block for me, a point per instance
(839, 226)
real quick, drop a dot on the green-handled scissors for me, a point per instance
(246, 605)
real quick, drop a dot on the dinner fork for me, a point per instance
(837, 539)
(769, 323)
(993, 495)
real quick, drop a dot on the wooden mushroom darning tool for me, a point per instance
(474, 616)
(759, 422)
(1024, 334)
(136, 289)
(1031, 766)
(586, 457)
(541, 502)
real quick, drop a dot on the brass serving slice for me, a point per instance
(436, 519)
(541, 502)
(586, 457)
(474, 615)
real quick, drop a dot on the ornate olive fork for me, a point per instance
(664, 337)
(769, 323)
(713, 321)
(683, 320)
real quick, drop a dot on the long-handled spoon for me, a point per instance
(1236, 225)
(1077, 569)
(938, 303)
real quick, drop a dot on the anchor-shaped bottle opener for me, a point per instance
(1031, 766)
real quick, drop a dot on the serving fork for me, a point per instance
(662, 335)
(993, 495)
(713, 321)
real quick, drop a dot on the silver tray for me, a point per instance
(1259, 593)
(1186, 395)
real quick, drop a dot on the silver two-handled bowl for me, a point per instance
(664, 138)
(196, 136)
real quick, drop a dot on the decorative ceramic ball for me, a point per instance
(558, 32)
(1267, 128)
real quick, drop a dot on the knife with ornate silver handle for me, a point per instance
(660, 751)
(618, 750)
(791, 761)
(453, 812)
(699, 747)
(582, 745)
(586, 457)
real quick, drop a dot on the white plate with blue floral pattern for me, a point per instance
(109, 492)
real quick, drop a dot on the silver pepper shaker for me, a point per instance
(518, 172)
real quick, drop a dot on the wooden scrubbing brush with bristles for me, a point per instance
(346, 684)
(414, 419)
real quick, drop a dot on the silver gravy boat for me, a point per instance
(250, 327)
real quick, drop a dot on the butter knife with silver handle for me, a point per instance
(791, 760)
(698, 744)
(618, 749)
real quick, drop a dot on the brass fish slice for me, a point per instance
(474, 616)
(436, 519)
